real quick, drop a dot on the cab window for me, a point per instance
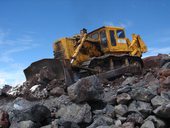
(120, 34)
(103, 38)
(112, 38)
(95, 36)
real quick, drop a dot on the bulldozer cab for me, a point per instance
(110, 38)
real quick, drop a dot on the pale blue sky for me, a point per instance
(28, 28)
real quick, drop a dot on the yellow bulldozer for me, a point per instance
(102, 50)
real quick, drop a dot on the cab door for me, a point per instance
(104, 41)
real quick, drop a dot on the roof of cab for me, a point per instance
(106, 27)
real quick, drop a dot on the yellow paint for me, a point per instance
(69, 45)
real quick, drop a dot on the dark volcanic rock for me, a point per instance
(88, 88)
(142, 94)
(123, 98)
(75, 113)
(163, 111)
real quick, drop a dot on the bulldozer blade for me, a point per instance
(54, 67)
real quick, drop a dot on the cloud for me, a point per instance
(11, 72)
(155, 51)
(125, 24)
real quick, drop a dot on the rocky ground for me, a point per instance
(128, 101)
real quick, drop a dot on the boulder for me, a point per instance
(165, 95)
(148, 124)
(121, 109)
(142, 94)
(88, 88)
(109, 97)
(158, 101)
(57, 91)
(37, 113)
(128, 125)
(27, 124)
(136, 118)
(101, 121)
(157, 122)
(75, 113)
(56, 102)
(144, 108)
(124, 89)
(163, 111)
(123, 98)
(130, 81)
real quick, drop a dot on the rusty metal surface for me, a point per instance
(52, 65)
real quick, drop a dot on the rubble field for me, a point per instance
(127, 101)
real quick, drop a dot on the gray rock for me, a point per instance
(144, 108)
(128, 125)
(158, 101)
(47, 126)
(56, 102)
(101, 121)
(124, 89)
(166, 66)
(158, 122)
(153, 86)
(123, 98)
(57, 91)
(142, 94)
(38, 113)
(163, 111)
(149, 77)
(109, 97)
(148, 124)
(121, 109)
(135, 118)
(75, 113)
(129, 80)
(88, 88)
(165, 95)
(109, 111)
(133, 106)
(27, 124)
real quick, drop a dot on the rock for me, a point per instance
(5, 89)
(149, 77)
(102, 120)
(88, 88)
(128, 125)
(57, 102)
(135, 118)
(166, 66)
(37, 113)
(144, 108)
(133, 106)
(75, 113)
(158, 101)
(142, 94)
(163, 111)
(109, 97)
(158, 122)
(57, 91)
(27, 124)
(4, 119)
(118, 123)
(129, 80)
(165, 95)
(154, 86)
(121, 109)
(148, 124)
(47, 126)
(123, 98)
(109, 111)
(124, 89)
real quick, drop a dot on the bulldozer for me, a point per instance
(88, 53)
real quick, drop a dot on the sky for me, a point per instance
(28, 28)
